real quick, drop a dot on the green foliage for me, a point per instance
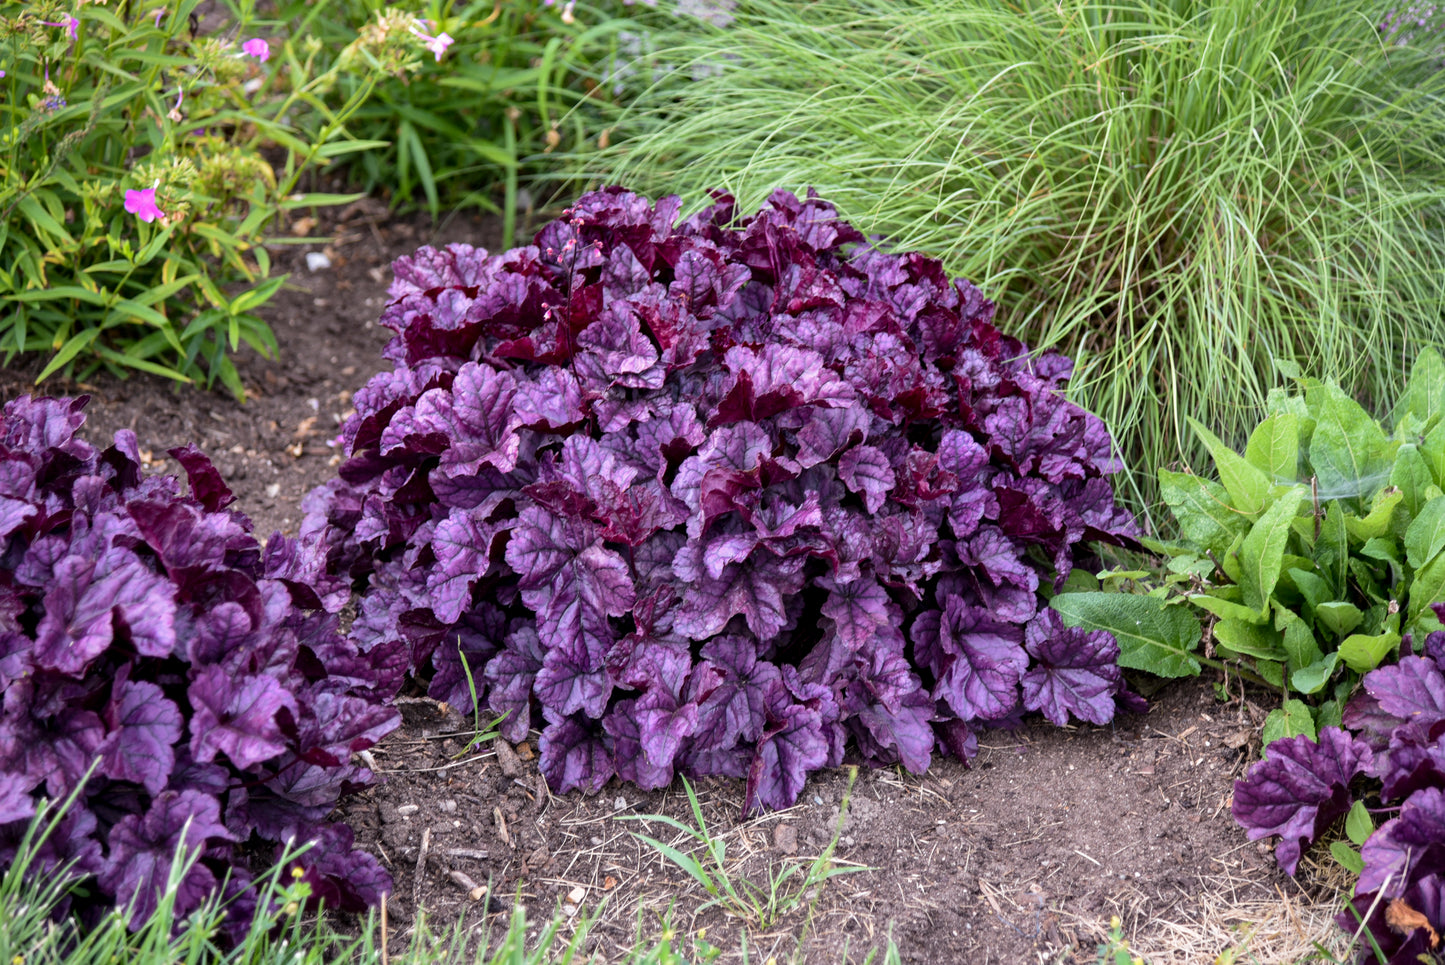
(1315, 556)
(515, 93)
(1173, 192)
(763, 904)
(141, 117)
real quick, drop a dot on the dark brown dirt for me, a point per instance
(1023, 858)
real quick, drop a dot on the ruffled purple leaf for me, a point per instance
(1407, 846)
(1074, 671)
(143, 729)
(1299, 789)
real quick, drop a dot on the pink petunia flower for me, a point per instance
(258, 48)
(143, 205)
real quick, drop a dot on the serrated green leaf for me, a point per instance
(1203, 510)
(1291, 720)
(1248, 486)
(1358, 823)
(1249, 640)
(1261, 555)
(1312, 679)
(1152, 635)
(1426, 534)
(1349, 452)
(1347, 857)
(1363, 653)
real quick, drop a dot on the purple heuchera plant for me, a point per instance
(1399, 739)
(150, 634)
(719, 495)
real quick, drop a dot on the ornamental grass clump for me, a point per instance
(1175, 193)
(720, 496)
(182, 681)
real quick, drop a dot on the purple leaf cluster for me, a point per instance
(719, 495)
(146, 634)
(1398, 739)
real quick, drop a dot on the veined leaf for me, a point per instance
(1247, 485)
(1426, 534)
(1273, 448)
(1377, 523)
(1348, 451)
(1339, 616)
(1424, 395)
(1248, 640)
(1152, 635)
(1298, 640)
(1291, 720)
(1202, 508)
(1362, 654)
(1261, 555)
(1312, 679)
(1411, 475)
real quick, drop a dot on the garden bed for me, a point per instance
(1023, 857)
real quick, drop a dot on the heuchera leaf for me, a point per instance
(1076, 671)
(1299, 789)
(171, 648)
(675, 447)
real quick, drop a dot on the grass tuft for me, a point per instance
(1175, 192)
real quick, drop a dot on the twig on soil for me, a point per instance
(467, 853)
(474, 891)
(385, 958)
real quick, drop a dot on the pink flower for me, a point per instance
(142, 204)
(71, 25)
(438, 44)
(258, 48)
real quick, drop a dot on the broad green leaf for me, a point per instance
(1424, 394)
(1338, 616)
(1261, 555)
(1349, 451)
(1202, 508)
(1358, 823)
(1427, 587)
(1377, 523)
(1348, 858)
(1152, 635)
(1291, 720)
(1273, 448)
(1311, 586)
(1363, 654)
(1332, 549)
(1382, 548)
(1412, 477)
(1426, 535)
(1312, 679)
(1230, 562)
(1247, 485)
(1432, 450)
(1272, 671)
(1331, 713)
(1244, 639)
(1227, 609)
(1298, 639)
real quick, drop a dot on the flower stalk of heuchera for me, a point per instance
(142, 203)
(71, 25)
(438, 44)
(258, 48)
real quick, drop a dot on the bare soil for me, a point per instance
(1024, 857)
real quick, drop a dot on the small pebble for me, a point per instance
(817, 799)
(620, 804)
(447, 805)
(406, 810)
(317, 260)
(596, 841)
